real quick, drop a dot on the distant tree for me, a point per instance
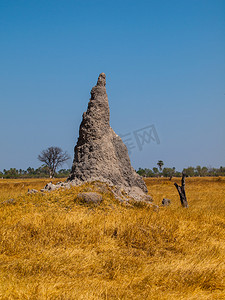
(198, 170)
(53, 157)
(177, 174)
(190, 171)
(64, 173)
(212, 171)
(204, 171)
(30, 171)
(220, 171)
(160, 164)
(11, 173)
(156, 171)
(149, 173)
(141, 172)
(42, 171)
(145, 172)
(168, 172)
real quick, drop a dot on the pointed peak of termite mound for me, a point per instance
(101, 80)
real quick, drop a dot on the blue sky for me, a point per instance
(165, 65)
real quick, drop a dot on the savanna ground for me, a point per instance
(54, 247)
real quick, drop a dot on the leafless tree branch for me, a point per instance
(53, 157)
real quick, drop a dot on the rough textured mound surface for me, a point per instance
(100, 153)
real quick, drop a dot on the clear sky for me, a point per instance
(164, 62)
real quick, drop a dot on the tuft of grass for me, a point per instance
(54, 247)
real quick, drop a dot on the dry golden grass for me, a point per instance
(52, 247)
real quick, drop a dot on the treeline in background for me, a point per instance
(190, 171)
(43, 172)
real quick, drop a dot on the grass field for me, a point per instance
(54, 247)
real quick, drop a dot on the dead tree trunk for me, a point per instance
(181, 191)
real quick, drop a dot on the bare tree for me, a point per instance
(53, 157)
(181, 191)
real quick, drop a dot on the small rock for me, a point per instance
(65, 185)
(90, 197)
(50, 187)
(166, 202)
(32, 191)
(148, 198)
(9, 201)
(156, 207)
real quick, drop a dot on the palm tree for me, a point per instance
(160, 163)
